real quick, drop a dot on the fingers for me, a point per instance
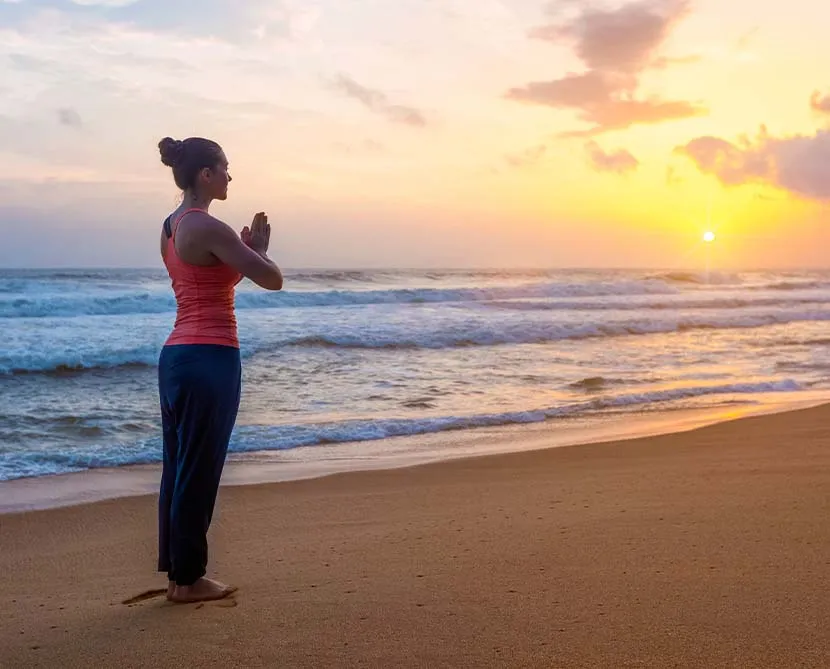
(259, 233)
(257, 222)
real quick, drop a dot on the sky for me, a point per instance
(424, 133)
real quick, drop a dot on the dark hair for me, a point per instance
(188, 157)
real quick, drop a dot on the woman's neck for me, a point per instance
(194, 200)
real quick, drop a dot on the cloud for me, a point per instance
(573, 90)
(232, 21)
(617, 46)
(625, 39)
(80, 90)
(528, 157)
(603, 101)
(799, 164)
(70, 118)
(620, 161)
(620, 114)
(377, 102)
(731, 164)
(820, 103)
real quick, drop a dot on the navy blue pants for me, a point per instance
(199, 387)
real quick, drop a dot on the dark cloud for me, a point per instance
(70, 118)
(820, 103)
(528, 157)
(620, 161)
(798, 164)
(379, 103)
(616, 46)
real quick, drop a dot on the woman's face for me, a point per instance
(215, 180)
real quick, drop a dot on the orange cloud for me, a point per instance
(617, 46)
(618, 114)
(574, 90)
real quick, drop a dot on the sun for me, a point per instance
(708, 236)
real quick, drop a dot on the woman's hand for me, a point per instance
(258, 236)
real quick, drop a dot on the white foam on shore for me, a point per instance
(47, 492)
(258, 438)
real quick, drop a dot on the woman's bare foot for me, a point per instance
(203, 590)
(171, 587)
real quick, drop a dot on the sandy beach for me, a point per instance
(706, 548)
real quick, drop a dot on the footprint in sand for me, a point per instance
(144, 596)
(226, 603)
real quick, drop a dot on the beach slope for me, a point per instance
(706, 548)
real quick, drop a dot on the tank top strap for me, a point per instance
(175, 226)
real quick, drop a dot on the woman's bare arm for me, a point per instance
(227, 246)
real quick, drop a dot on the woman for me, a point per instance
(199, 366)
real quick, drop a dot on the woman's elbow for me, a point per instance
(268, 282)
(269, 277)
(273, 281)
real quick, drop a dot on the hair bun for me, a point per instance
(171, 151)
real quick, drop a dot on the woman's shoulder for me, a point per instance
(190, 214)
(196, 220)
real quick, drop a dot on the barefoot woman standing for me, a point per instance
(199, 366)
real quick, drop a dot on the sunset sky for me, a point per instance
(416, 133)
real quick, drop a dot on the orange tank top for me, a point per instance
(204, 298)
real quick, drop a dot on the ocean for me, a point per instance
(353, 356)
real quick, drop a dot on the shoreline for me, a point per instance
(320, 461)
